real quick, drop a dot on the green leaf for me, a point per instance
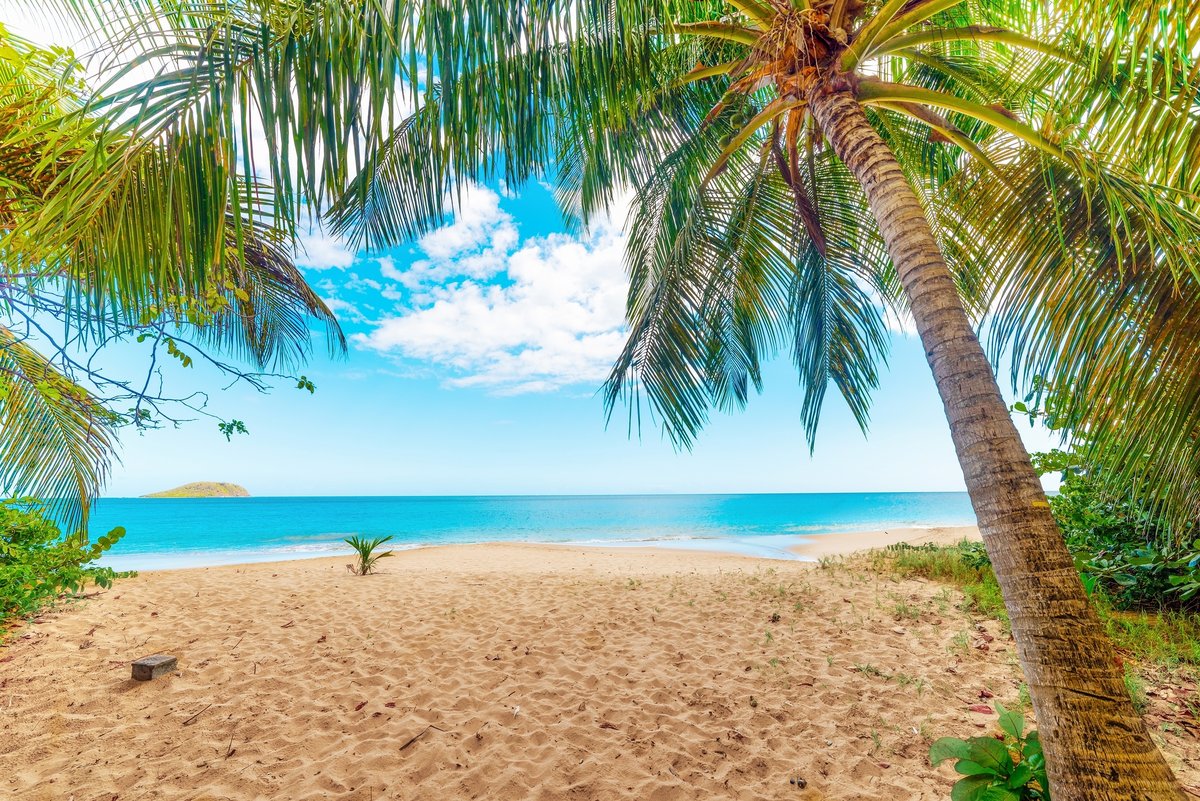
(999, 794)
(1032, 748)
(971, 788)
(1020, 776)
(968, 767)
(990, 754)
(948, 748)
(1011, 723)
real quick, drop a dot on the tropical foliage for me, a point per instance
(367, 558)
(1129, 543)
(746, 234)
(111, 231)
(774, 148)
(1007, 768)
(1114, 322)
(38, 565)
(1024, 107)
(1123, 548)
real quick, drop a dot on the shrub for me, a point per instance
(39, 565)
(1008, 769)
(1124, 550)
(1162, 636)
(366, 554)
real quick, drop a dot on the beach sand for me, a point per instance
(851, 542)
(504, 672)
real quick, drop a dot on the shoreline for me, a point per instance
(807, 547)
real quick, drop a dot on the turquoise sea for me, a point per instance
(166, 533)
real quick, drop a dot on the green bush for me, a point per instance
(1164, 637)
(39, 565)
(1008, 769)
(1124, 550)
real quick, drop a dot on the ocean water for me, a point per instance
(191, 532)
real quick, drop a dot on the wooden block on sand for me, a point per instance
(151, 667)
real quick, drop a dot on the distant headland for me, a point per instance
(203, 489)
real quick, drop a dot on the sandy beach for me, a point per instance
(855, 541)
(506, 672)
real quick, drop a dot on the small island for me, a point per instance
(203, 489)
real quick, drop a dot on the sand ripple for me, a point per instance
(498, 672)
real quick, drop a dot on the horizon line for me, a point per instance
(550, 495)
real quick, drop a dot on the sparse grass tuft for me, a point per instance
(1135, 685)
(1165, 638)
(905, 680)
(961, 644)
(903, 610)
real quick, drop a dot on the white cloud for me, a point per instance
(475, 245)
(387, 268)
(557, 319)
(344, 309)
(358, 284)
(318, 250)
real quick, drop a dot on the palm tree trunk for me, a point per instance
(1096, 745)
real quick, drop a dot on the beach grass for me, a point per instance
(1165, 639)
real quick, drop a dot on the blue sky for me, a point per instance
(475, 357)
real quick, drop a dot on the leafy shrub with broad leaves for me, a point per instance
(1123, 549)
(39, 565)
(1010, 767)
(365, 548)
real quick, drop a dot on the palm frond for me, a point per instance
(1094, 299)
(125, 237)
(56, 440)
(725, 271)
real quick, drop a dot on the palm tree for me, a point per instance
(108, 237)
(167, 196)
(799, 164)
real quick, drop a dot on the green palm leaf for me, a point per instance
(56, 440)
(126, 238)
